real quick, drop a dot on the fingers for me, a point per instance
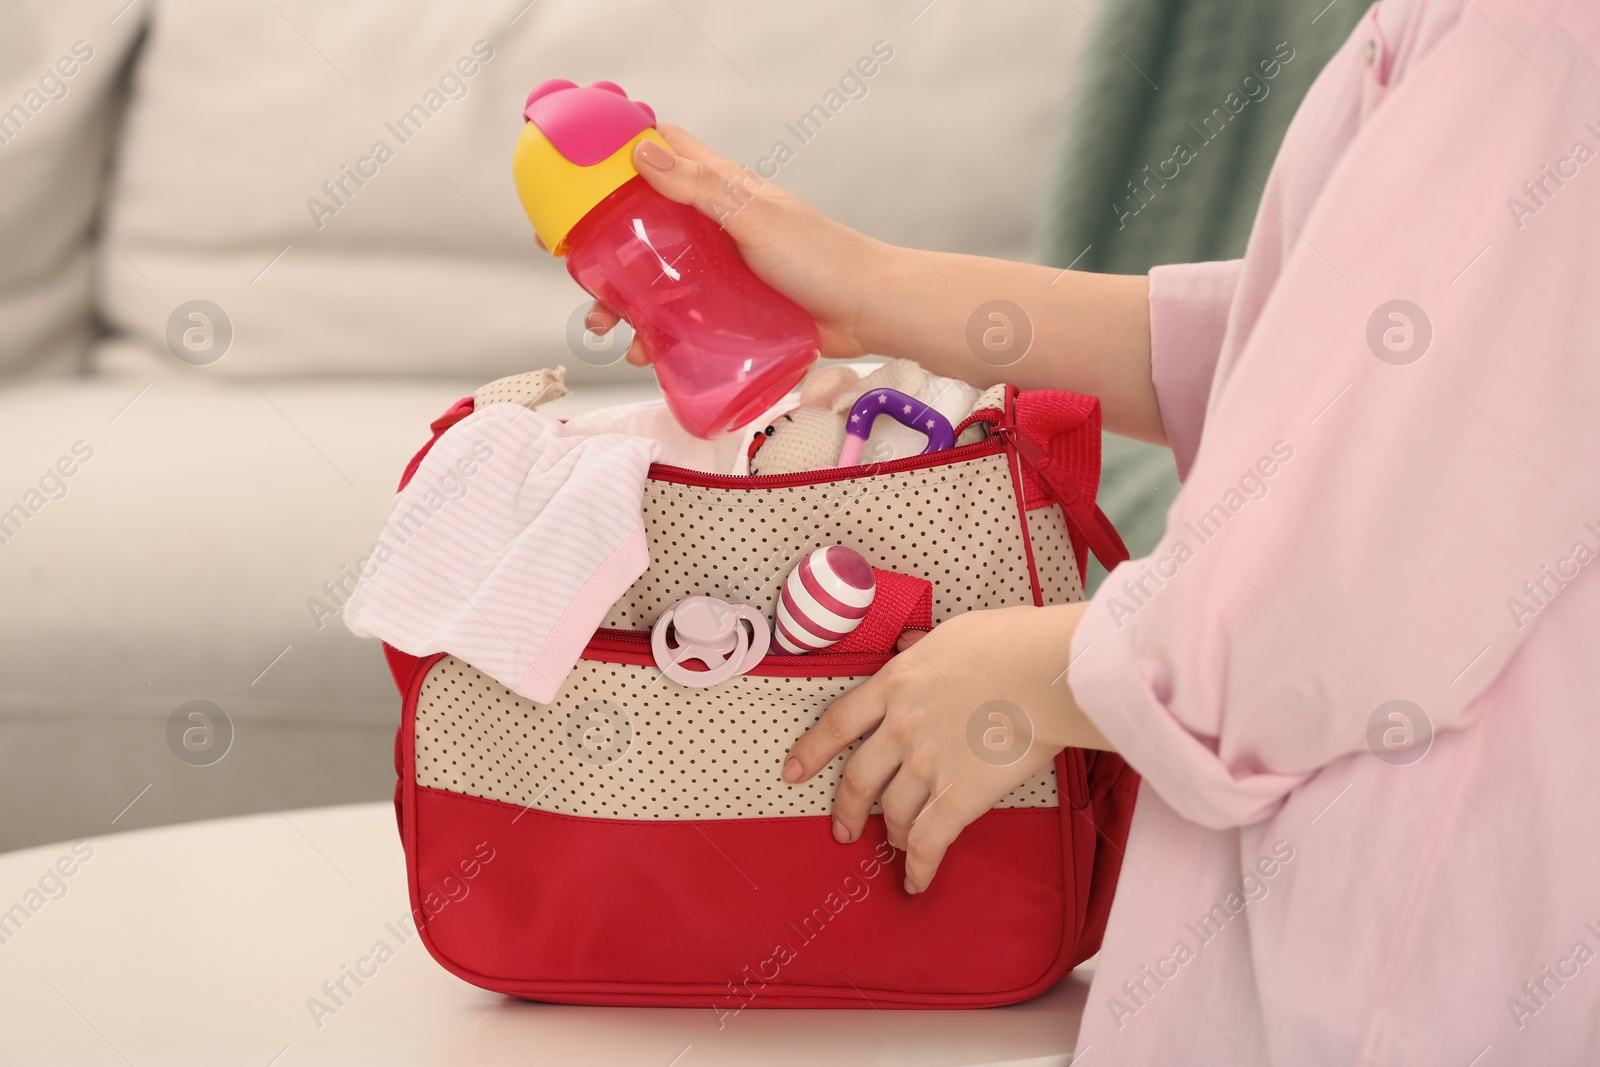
(600, 320)
(922, 822)
(903, 800)
(693, 174)
(866, 773)
(908, 638)
(846, 719)
(689, 146)
(931, 834)
(637, 354)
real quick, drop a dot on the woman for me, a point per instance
(1357, 675)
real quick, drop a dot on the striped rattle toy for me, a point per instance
(824, 598)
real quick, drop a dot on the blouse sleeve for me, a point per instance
(1188, 316)
(1398, 474)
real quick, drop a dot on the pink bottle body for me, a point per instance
(725, 345)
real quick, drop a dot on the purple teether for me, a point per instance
(903, 408)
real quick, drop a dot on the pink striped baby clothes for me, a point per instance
(508, 546)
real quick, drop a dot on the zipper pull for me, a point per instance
(1038, 460)
(1084, 517)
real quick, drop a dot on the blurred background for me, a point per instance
(250, 248)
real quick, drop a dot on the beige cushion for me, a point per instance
(58, 63)
(189, 546)
(242, 111)
(183, 555)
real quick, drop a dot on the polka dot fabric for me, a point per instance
(955, 525)
(530, 390)
(1059, 582)
(992, 399)
(622, 742)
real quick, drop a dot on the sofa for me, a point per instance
(249, 250)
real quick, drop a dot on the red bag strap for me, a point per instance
(1084, 516)
(1056, 435)
(458, 411)
(902, 602)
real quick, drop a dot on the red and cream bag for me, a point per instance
(633, 843)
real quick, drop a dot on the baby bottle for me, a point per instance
(724, 344)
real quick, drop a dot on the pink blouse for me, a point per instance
(1360, 673)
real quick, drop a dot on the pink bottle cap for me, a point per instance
(586, 124)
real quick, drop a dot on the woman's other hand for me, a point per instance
(953, 724)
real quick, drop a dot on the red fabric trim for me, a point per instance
(1112, 788)
(1068, 426)
(402, 665)
(902, 602)
(991, 416)
(1057, 435)
(668, 913)
(633, 647)
(1017, 478)
(458, 411)
(1077, 842)
(663, 472)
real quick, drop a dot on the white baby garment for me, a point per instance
(509, 546)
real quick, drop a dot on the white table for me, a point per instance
(202, 943)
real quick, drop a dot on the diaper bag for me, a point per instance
(633, 843)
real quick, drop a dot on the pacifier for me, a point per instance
(903, 408)
(727, 639)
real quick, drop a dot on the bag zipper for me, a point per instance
(633, 647)
(991, 445)
(1085, 520)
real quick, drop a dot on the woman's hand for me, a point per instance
(956, 721)
(820, 264)
(1086, 332)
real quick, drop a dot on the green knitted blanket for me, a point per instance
(1181, 110)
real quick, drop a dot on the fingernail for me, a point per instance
(841, 833)
(593, 322)
(911, 887)
(653, 154)
(792, 770)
